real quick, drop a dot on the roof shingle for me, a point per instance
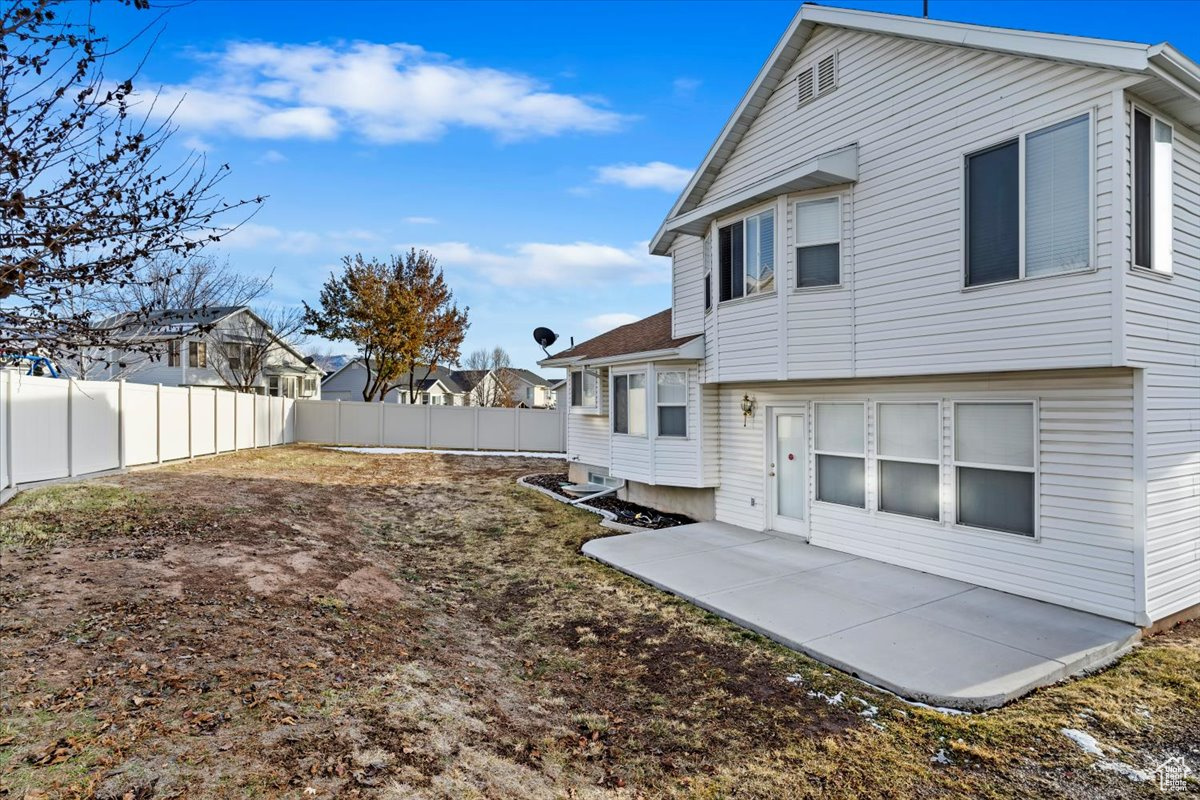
(645, 335)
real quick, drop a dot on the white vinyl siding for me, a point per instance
(588, 434)
(687, 287)
(1163, 338)
(903, 309)
(1084, 554)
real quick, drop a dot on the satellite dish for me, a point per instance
(544, 337)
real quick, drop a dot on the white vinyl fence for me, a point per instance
(346, 422)
(62, 428)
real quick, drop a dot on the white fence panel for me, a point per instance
(316, 421)
(289, 420)
(262, 422)
(405, 426)
(276, 416)
(245, 421)
(139, 407)
(95, 426)
(173, 432)
(359, 423)
(225, 409)
(204, 421)
(38, 428)
(540, 430)
(452, 427)
(4, 405)
(498, 429)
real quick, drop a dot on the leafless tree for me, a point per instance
(85, 196)
(240, 349)
(495, 384)
(199, 280)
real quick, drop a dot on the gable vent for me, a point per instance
(817, 79)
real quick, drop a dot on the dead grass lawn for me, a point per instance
(282, 622)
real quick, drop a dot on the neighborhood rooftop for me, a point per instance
(647, 335)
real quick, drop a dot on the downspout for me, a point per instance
(602, 493)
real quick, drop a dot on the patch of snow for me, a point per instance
(954, 712)
(869, 710)
(941, 757)
(1125, 771)
(400, 451)
(796, 678)
(836, 700)
(1087, 743)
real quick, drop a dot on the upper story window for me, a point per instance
(708, 272)
(818, 243)
(583, 389)
(1153, 223)
(746, 256)
(1024, 223)
(629, 404)
(173, 353)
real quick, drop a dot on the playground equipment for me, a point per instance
(38, 366)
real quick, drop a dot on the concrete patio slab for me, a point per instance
(924, 637)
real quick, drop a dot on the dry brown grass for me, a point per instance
(421, 627)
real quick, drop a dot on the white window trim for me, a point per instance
(1169, 272)
(1090, 113)
(864, 455)
(684, 405)
(1035, 470)
(612, 396)
(715, 267)
(876, 457)
(793, 204)
(582, 409)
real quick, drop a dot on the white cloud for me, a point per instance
(606, 322)
(685, 87)
(197, 144)
(420, 220)
(385, 93)
(653, 175)
(253, 236)
(555, 265)
(271, 157)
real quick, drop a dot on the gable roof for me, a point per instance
(528, 376)
(649, 335)
(171, 322)
(1173, 80)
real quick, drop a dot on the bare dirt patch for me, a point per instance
(301, 622)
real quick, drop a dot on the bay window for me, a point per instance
(629, 404)
(995, 457)
(746, 256)
(818, 243)
(908, 459)
(671, 402)
(1029, 205)
(841, 453)
(1153, 218)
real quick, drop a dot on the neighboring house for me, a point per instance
(558, 391)
(935, 301)
(446, 387)
(226, 346)
(442, 387)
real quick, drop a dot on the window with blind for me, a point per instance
(583, 389)
(995, 465)
(908, 459)
(746, 256)
(629, 404)
(1153, 195)
(841, 453)
(671, 403)
(818, 243)
(1055, 192)
(708, 272)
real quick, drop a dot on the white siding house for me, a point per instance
(936, 295)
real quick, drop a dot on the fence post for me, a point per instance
(428, 427)
(216, 394)
(381, 403)
(236, 397)
(475, 416)
(517, 438)
(270, 419)
(158, 426)
(121, 457)
(337, 422)
(7, 375)
(70, 428)
(254, 416)
(191, 412)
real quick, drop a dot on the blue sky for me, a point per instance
(533, 147)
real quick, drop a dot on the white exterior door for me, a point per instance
(787, 470)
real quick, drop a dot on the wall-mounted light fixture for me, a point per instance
(748, 404)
